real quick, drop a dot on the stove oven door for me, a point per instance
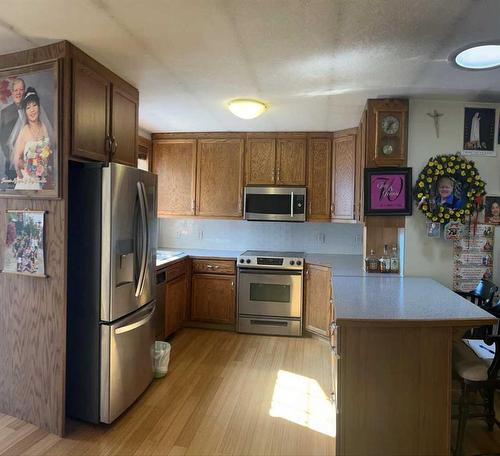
(271, 293)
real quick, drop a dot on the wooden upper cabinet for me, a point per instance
(319, 177)
(260, 161)
(318, 299)
(124, 109)
(344, 174)
(91, 99)
(291, 162)
(219, 178)
(174, 160)
(213, 298)
(105, 111)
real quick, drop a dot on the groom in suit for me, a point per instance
(8, 118)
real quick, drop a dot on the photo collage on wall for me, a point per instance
(473, 257)
(24, 243)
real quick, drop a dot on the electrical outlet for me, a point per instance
(322, 238)
(357, 240)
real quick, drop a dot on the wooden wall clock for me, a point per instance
(388, 132)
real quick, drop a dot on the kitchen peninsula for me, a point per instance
(391, 341)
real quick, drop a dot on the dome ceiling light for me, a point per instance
(246, 108)
(481, 56)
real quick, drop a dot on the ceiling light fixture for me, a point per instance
(480, 56)
(246, 108)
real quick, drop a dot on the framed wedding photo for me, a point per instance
(387, 191)
(29, 131)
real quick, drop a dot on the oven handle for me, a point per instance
(265, 271)
(291, 204)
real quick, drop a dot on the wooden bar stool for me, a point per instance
(476, 365)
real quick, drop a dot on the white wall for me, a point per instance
(242, 235)
(433, 257)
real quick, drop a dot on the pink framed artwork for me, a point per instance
(387, 191)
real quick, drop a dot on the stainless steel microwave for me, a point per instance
(284, 204)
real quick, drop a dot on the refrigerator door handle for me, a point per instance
(144, 253)
(136, 324)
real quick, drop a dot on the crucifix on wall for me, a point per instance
(435, 116)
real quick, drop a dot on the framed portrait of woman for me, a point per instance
(29, 131)
(492, 210)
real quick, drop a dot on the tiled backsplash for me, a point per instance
(243, 235)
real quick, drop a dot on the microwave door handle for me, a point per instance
(291, 204)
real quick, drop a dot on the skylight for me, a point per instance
(478, 57)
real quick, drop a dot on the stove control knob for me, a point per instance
(242, 260)
(292, 262)
(249, 260)
(299, 262)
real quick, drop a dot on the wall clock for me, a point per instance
(388, 122)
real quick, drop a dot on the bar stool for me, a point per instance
(478, 372)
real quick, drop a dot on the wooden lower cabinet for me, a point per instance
(176, 294)
(318, 299)
(213, 298)
(394, 389)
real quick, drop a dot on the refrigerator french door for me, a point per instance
(111, 288)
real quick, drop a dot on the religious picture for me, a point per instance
(433, 229)
(28, 131)
(479, 132)
(492, 210)
(23, 249)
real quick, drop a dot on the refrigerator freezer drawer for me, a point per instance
(126, 361)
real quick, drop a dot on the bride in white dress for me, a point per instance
(32, 148)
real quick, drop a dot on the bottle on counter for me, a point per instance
(395, 259)
(385, 261)
(372, 264)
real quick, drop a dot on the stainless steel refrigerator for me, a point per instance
(111, 288)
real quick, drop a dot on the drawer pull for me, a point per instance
(268, 323)
(211, 266)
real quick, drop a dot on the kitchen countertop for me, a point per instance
(415, 301)
(345, 265)
(363, 298)
(195, 253)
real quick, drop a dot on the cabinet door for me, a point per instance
(343, 176)
(360, 167)
(175, 163)
(124, 127)
(318, 299)
(319, 178)
(260, 161)
(91, 98)
(213, 298)
(291, 162)
(175, 304)
(219, 179)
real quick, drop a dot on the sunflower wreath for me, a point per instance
(465, 196)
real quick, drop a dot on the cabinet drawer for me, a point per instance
(214, 266)
(176, 270)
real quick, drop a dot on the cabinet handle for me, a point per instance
(332, 208)
(274, 173)
(211, 266)
(232, 284)
(107, 144)
(278, 179)
(192, 206)
(334, 352)
(310, 207)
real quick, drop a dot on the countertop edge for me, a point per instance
(416, 322)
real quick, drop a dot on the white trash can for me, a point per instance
(161, 358)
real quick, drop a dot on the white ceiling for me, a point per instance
(314, 61)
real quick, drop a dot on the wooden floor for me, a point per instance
(225, 393)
